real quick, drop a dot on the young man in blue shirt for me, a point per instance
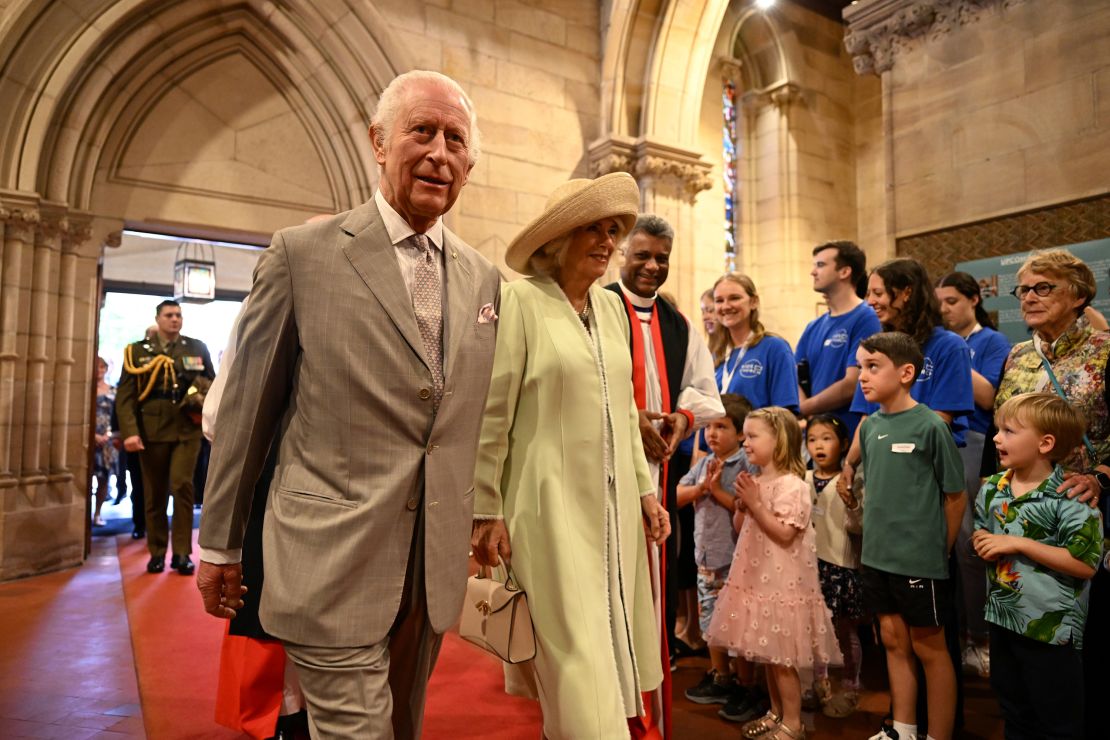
(826, 352)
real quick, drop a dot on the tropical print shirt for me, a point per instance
(1022, 595)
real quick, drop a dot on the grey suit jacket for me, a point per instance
(330, 353)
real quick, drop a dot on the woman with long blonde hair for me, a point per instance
(751, 362)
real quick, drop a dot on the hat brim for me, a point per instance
(615, 196)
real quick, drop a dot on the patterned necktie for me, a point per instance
(427, 302)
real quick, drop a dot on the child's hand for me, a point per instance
(713, 476)
(747, 489)
(990, 547)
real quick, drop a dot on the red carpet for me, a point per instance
(177, 650)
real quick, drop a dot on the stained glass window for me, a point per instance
(729, 158)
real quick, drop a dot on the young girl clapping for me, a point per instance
(771, 609)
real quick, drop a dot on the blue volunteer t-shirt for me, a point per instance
(765, 374)
(829, 345)
(989, 350)
(944, 383)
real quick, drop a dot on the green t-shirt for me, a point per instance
(909, 463)
(1022, 595)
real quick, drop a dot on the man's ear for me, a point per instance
(379, 149)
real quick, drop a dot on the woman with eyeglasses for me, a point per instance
(1067, 356)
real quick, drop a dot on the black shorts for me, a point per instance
(921, 602)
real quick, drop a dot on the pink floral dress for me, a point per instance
(771, 609)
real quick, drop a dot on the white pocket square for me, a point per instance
(486, 314)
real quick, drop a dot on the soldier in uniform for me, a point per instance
(158, 403)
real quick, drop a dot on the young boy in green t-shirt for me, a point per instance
(915, 498)
(1045, 548)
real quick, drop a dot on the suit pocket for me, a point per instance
(485, 332)
(313, 496)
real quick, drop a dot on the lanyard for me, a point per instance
(727, 373)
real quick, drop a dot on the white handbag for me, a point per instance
(495, 617)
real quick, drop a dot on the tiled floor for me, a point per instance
(66, 666)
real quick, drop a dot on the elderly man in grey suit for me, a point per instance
(365, 350)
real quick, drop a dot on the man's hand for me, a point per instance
(847, 495)
(657, 522)
(990, 547)
(221, 587)
(489, 540)
(1081, 486)
(101, 439)
(133, 444)
(678, 424)
(655, 447)
(844, 482)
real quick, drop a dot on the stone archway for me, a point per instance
(122, 112)
(662, 83)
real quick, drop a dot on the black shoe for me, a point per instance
(682, 649)
(709, 691)
(156, 564)
(744, 707)
(182, 565)
(138, 534)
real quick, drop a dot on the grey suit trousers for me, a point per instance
(349, 691)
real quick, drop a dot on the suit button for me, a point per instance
(411, 505)
(431, 448)
(424, 394)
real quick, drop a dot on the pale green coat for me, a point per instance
(542, 465)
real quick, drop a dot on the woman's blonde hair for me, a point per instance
(788, 438)
(548, 260)
(1062, 264)
(720, 340)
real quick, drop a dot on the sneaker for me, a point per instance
(977, 660)
(709, 691)
(886, 732)
(842, 704)
(745, 706)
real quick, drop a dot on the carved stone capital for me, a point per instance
(730, 68)
(650, 161)
(20, 223)
(52, 225)
(781, 96)
(879, 30)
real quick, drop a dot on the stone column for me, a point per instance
(20, 217)
(66, 414)
(670, 179)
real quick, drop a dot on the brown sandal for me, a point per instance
(765, 725)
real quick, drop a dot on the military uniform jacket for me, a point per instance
(159, 417)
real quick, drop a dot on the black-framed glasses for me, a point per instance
(1041, 289)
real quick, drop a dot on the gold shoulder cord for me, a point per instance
(158, 363)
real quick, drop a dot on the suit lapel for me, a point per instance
(459, 289)
(375, 260)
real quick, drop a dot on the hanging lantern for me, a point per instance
(194, 273)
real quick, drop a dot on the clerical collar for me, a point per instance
(637, 301)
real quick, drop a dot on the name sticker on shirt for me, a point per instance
(902, 447)
(193, 363)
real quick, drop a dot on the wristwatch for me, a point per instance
(1103, 480)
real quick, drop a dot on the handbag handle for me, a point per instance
(510, 580)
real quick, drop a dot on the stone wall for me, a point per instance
(993, 108)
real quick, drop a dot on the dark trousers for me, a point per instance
(1039, 687)
(200, 473)
(138, 497)
(677, 468)
(1096, 655)
(168, 470)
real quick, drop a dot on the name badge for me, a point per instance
(902, 447)
(195, 364)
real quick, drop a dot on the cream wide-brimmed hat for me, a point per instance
(576, 203)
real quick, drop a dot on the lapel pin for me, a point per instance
(454, 255)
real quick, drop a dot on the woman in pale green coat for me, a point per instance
(561, 473)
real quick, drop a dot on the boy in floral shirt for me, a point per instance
(1045, 548)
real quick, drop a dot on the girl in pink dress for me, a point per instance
(771, 609)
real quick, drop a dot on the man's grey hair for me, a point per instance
(385, 116)
(652, 225)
